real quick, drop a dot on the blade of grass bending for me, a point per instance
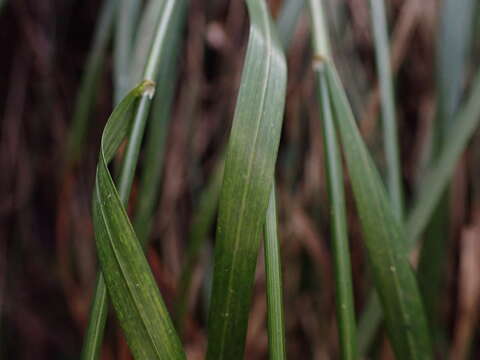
(131, 285)
(430, 192)
(88, 88)
(247, 183)
(162, 33)
(333, 167)
(390, 137)
(204, 217)
(126, 21)
(393, 276)
(384, 238)
(273, 272)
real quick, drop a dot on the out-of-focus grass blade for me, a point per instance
(288, 19)
(88, 88)
(126, 24)
(273, 272)
(437, 178)
(454, 40)
(161, 32)
(430, 192)
(204, 217)
(367, 327)
(333, 166)
(144, 38)
(157, 135)
(452, 49)
(384, 237)
(131, 285)
(390, 137)
(248, 180)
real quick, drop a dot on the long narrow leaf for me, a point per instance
(333, 168)
(131, 285)
(390, 137)
(384, 238)
(158, 128)
(161, 33)
(86, 95)
(248, 180)
(452, 48)
(205, 213)
(125, 26)
(430, 192)
(273, 272)
(437, 178)
(204, 217)
(288, 19)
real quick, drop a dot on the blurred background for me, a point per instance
(47, 250)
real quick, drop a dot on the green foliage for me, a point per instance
(248, 180)
(130, 282)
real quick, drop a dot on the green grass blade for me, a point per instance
(384, 239)
(287, 21)
(130, 282)
(163, 33)
(88, 88)
(390, 137)
(92, 342)
(157, 135)
(368, 323)
(438, 177)
(452, 49)
(206, 210)
(333, 168)
(430, 192)
(394, 279)
(247, 183)
(343, 278)
(204, 217)
(273, 272)
(126, 23)
(144, 39)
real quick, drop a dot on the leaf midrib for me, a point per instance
(249, 170)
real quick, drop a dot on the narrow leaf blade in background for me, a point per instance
(273, 272)
(334, 177)
(390, 137)
(453, 44)
(429, 194)
(88, 89)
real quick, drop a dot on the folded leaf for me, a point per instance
(130, 282)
